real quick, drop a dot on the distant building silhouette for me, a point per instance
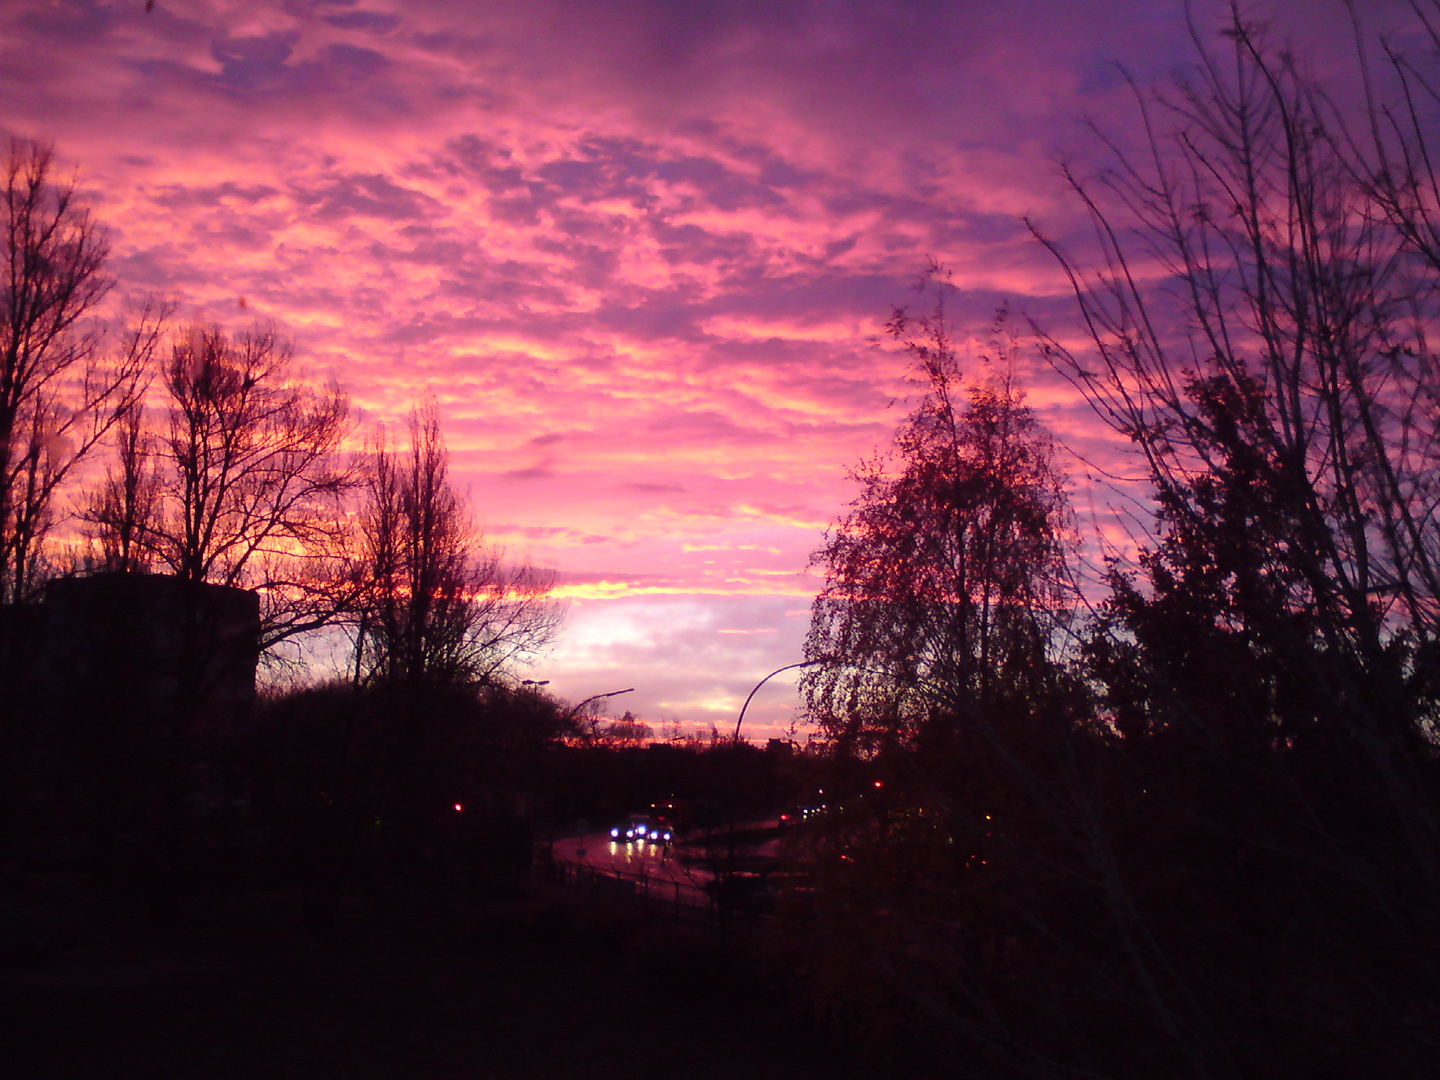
(131, 694)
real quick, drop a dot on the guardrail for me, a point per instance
(683, 899)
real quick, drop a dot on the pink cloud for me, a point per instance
(640, 251)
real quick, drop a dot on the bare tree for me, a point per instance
(437, 617)
(1393, 157)
(1259, 328)
(1234, 854)
(248, 484)
(118, 513)
(244, 488)
(626, 731)
(437, 606)
(1249, 313)
(62, 386)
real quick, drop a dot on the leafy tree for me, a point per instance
(1281, 373)
(936, 647)
(947, 582)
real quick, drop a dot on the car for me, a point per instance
(625, 832)
(639, 828)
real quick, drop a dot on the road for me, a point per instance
(656, 869)
(679, 872)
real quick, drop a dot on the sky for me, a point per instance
(640, 251)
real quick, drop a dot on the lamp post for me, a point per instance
(596, 697)
(788, 667)
(574, 712)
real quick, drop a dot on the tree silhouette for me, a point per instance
(244, 486)
(435, 605)
(947, 581)
(1257, 327)
(126, 503)
(241, 489)
(936, 647)
(62, 386)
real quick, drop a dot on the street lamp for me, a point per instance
(596, 697)
(788, 667)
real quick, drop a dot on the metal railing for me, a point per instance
(683, 899)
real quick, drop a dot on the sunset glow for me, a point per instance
(641, 253)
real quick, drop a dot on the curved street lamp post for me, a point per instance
(788, 667)
(575, 711)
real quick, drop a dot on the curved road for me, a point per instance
(679, 872)
(657, 869)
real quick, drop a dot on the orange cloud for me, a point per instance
(644, 283)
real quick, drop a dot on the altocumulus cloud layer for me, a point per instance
(638, 250)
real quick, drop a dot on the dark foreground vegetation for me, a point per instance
(423, 984)
(1192, 830)
(369, 790)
